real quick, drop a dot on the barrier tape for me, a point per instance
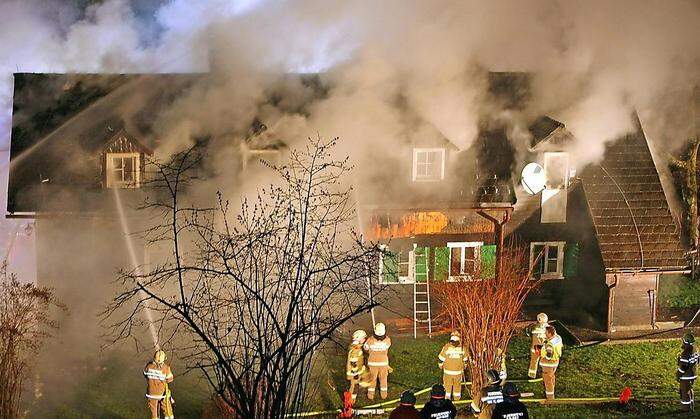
(562, 400)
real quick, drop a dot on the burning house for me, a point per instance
(605, 233)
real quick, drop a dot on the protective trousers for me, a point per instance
(382, 373)
(549, 378)
(686, 391)
(164, 405)
(453, 386)
(534, 360)
(355, 384)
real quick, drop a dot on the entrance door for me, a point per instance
(633, 301)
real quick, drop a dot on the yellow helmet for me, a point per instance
(159, 357)
(358, 336)
(542, 318)
(455, 336)
(379, 329)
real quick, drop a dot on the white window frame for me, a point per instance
(111, 181)
(416, 153)
(561, 247)
(410, 279)
(477, 260)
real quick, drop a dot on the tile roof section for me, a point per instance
(630, 213)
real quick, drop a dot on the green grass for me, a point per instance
(599, 371)
(678, 291)
(116, 390)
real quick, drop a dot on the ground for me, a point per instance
(116, 389)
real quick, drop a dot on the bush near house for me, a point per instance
(678, 291)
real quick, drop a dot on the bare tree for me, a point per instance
(485, 311)
(256, 293)
(25, 323)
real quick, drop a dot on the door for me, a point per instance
(633, 301)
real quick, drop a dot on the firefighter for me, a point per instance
(158, 376)
(355, 368)
(686, 373)
(438, 406)
(451, 361)
(549, 360)
(491, 394)
(511, 407)
(536, 331)
(406, 408)
(377, 347)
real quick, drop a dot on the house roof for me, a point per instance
(631, 216)
(61, 123)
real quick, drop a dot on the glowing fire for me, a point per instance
(411, 224)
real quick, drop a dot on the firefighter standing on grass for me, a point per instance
(686, 373)
(377, 347)
(549, 360)
(451, 361)
(355, 368)
(536, 331)
(158, 376)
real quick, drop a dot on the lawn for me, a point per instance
(116, 389)
(678, 291)
(598, 371)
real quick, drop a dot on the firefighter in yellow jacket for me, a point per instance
(451, 361)
(158, 376)
(536, 331)
(549, 360)
(377, 347)
(355, 367)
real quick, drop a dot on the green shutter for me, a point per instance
(390, 268)
(571, 254)
(442, 263)
(488, 261)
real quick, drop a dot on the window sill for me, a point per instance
(547, 277)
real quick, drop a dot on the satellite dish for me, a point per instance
(533, 178)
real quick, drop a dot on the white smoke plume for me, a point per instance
(594, 61)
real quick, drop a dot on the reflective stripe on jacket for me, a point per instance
(555, 347)
(356, 362)
(452, 359)
(156, 377)
(377, 351)
(687, 363)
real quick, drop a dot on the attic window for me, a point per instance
(428, 164)
(123, 170)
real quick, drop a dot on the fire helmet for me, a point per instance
(492, 376)
(688, 338)
(542, 318)
(159, 357)
(380, 329)
(358, 336)
(455, 336)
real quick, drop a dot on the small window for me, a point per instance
(464, 260)
(123, 170)
(428, 164)
(548, 259)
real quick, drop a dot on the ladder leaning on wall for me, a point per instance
(421, 291)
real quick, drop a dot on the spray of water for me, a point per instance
(135, 264)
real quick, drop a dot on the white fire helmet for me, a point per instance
(358, 336)
(379, 329)
(542, 318)
(159, 357)
(455, 336)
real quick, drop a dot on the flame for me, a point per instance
(430, 222)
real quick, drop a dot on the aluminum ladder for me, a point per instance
(421, 291)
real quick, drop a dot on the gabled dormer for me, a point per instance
(123, 161)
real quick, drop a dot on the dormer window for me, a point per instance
(123, 170)
(428, 164)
